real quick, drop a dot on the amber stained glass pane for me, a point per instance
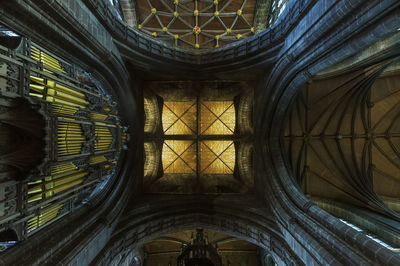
(179, 118)
(217, 118)
(217, 157)
(179, 156)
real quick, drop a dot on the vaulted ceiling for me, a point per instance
(197, 23)
(198, 137)
(342, 136)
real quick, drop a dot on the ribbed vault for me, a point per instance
(349, 138)
(342, 137)
(197, 23)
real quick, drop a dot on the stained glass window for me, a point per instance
(217, 157)
(188, 149)
(179, 156)
(217, 118)
(179, 118)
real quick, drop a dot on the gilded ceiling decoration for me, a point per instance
(71, 187)
(197, 23)
(217, 118)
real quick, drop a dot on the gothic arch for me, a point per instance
(158, 219)
(287, 80)
(340, 136)
(313, 36)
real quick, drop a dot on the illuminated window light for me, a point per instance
(217, 157)
(217, 118)
(380, 242)
(10, 33)
(179, 118)
(179, 157)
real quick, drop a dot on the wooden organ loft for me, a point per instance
(60, 136)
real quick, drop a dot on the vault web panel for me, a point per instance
(179, 118)
(217, 118)
(217, 157)
(179, 157)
